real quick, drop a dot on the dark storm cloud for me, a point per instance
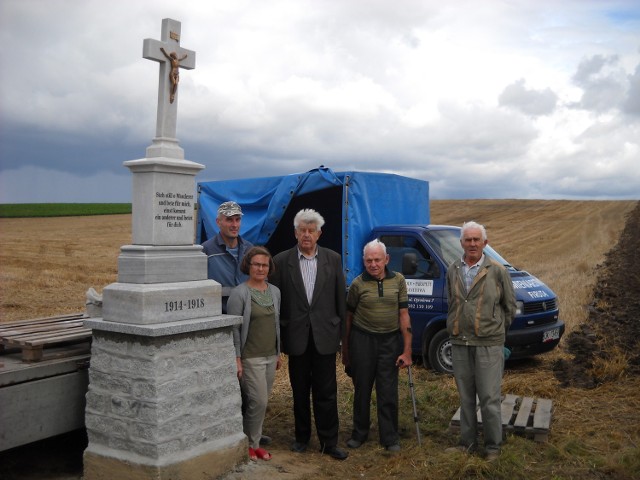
(73, 152)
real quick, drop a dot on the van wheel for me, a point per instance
(440, 352)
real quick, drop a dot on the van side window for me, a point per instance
(399, 245)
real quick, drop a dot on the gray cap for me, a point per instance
(229, 209)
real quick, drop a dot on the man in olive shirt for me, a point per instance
(377, 341)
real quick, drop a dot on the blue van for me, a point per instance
(422, 254)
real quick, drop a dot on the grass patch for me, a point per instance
(17, 210)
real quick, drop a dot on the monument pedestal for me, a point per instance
(163, 400)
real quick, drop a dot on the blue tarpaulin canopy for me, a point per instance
(352, 203)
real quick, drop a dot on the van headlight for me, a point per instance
(519, 307)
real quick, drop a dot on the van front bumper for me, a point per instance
(526, 342)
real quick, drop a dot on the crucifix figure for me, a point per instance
(171, 57)
(174, 74)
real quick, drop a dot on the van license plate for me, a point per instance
(551, 335)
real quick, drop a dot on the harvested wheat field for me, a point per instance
(586, 251)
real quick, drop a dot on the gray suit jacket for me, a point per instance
(324, 316)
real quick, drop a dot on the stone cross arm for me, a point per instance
(172, 57)
(151, 50)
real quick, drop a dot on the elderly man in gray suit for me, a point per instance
(312, 314)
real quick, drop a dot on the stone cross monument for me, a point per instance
(171, 57)
(163, 400)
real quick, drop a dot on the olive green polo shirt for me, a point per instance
(375, 304)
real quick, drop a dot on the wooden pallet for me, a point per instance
(524, 416)
(32, 337)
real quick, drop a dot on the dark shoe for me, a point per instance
(353, 443)
(492, 456)
(334, 452)
(392, 448)
(457, 448)
(265, 440)
(299, 447)
(462, 449)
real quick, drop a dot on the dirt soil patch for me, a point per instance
(611, 334)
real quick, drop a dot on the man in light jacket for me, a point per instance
(482, 305)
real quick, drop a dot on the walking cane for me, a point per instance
(413, 400)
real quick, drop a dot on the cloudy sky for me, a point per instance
(484, 98)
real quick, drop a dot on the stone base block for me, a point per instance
(161, 264)
(165, 148)
(202, 467)
(146, 304)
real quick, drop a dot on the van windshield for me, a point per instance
(446, 244)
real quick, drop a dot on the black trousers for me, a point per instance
(313, 374)
(373, 360)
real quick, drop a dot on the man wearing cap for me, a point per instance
(226, 250)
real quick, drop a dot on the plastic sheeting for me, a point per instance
(352, 204)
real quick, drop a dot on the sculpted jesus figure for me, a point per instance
(174, 74)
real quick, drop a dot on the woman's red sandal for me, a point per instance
(262, 454)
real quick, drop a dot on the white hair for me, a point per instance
(468, 225)
(308, 216)
(374, 244)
